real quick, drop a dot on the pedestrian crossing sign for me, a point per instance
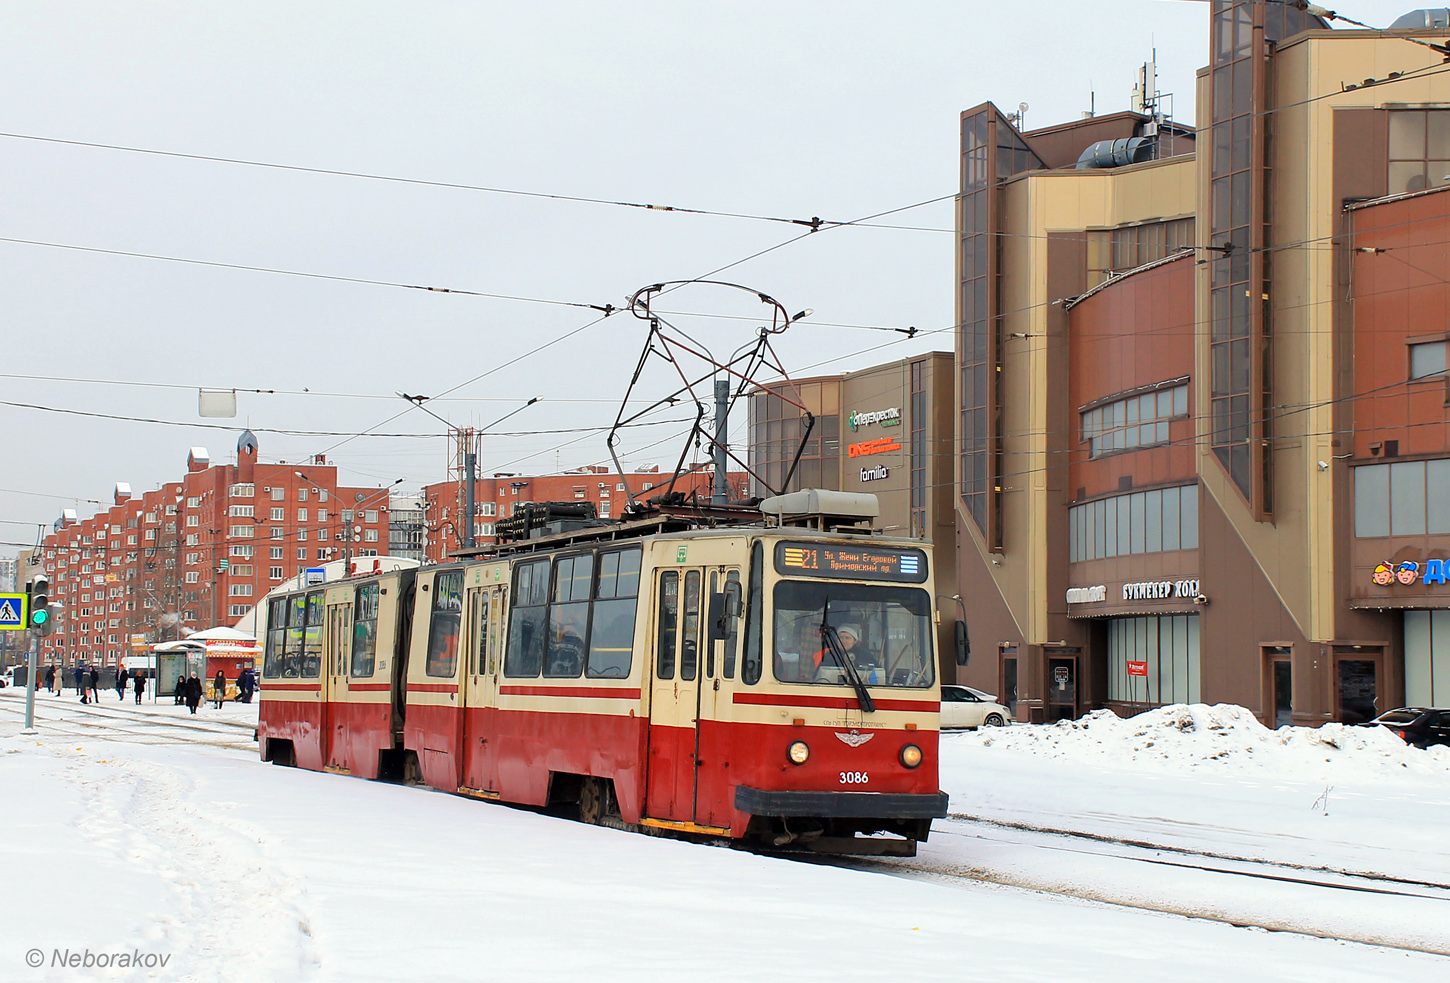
(12, 612)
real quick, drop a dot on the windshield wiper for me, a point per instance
(833, 645)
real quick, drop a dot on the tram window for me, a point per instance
(276, 638)
(444, 625)
(611, 632)
(668, 621)
(892, 628)
(710, 635)
(569, 617)
(608, 574)
(495, 619)
(754, 604)
(528, 620)
(732, 624)
(572, 576)
(478, 608)
(364, 631)
(628, 573)
(690, 637)
(312, 636)
(292, 643)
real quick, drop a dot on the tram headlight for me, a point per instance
(911, 755)
(798, 752)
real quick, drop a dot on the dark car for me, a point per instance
(1419, 726)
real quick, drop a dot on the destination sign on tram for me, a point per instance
(850, 562)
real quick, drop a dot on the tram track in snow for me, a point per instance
(142, 728)
(1299, 899)
(1185, 851)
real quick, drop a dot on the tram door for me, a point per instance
(675, 694)
(483, 648)
(335, 662)
(715, 788)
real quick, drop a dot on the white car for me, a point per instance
(962, 706)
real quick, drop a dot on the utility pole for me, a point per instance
(722, 433)
(466, 460)
(467, 476)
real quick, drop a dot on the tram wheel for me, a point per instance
(591, 800)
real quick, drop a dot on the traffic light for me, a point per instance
(40, 603)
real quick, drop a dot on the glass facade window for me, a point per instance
(919, 450)
(1427, 658)
(1406, 498)
(1419, 150)
(974, 348)
(1137, 421)
(1231, 313)
(1168, 645)
(1427, 360)
(777, 425)
(992, 150)
(1156, 521)
(1111, 251)
(1241, 336)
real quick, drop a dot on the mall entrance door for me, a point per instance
(1062, 683)
(1359, 679)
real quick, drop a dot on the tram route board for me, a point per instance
(854, 562)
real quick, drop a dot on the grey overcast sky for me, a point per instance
(830, 108)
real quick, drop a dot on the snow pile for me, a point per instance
(1223, 735)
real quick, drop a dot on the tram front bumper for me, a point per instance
(843, 805)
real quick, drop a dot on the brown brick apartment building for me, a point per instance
(198, 551)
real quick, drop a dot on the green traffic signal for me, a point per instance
(40, 617)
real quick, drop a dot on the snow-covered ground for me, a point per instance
(1211, 787)
(122, 833)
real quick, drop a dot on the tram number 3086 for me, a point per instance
(854, 778)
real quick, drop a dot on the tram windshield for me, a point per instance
(885, 631)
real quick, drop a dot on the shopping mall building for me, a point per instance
(884, 430)
(1202, 417)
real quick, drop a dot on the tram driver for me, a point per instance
(801, 654)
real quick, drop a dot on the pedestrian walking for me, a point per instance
(138, 682)
(122, 677)
(194, 692)
(93, 684)
(50, 678)
(246, 683)
(218, 689)
(80, 681)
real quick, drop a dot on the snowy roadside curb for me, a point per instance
(1225, 736)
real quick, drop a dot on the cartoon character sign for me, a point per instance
(1408, 572)
(1383, 574)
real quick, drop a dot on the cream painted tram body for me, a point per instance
(675, 680)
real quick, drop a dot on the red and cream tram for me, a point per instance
(773, 685)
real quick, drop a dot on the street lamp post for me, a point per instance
(469, 462)
(349, 530)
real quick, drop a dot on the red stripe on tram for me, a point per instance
(829, 702)
(586, 692)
